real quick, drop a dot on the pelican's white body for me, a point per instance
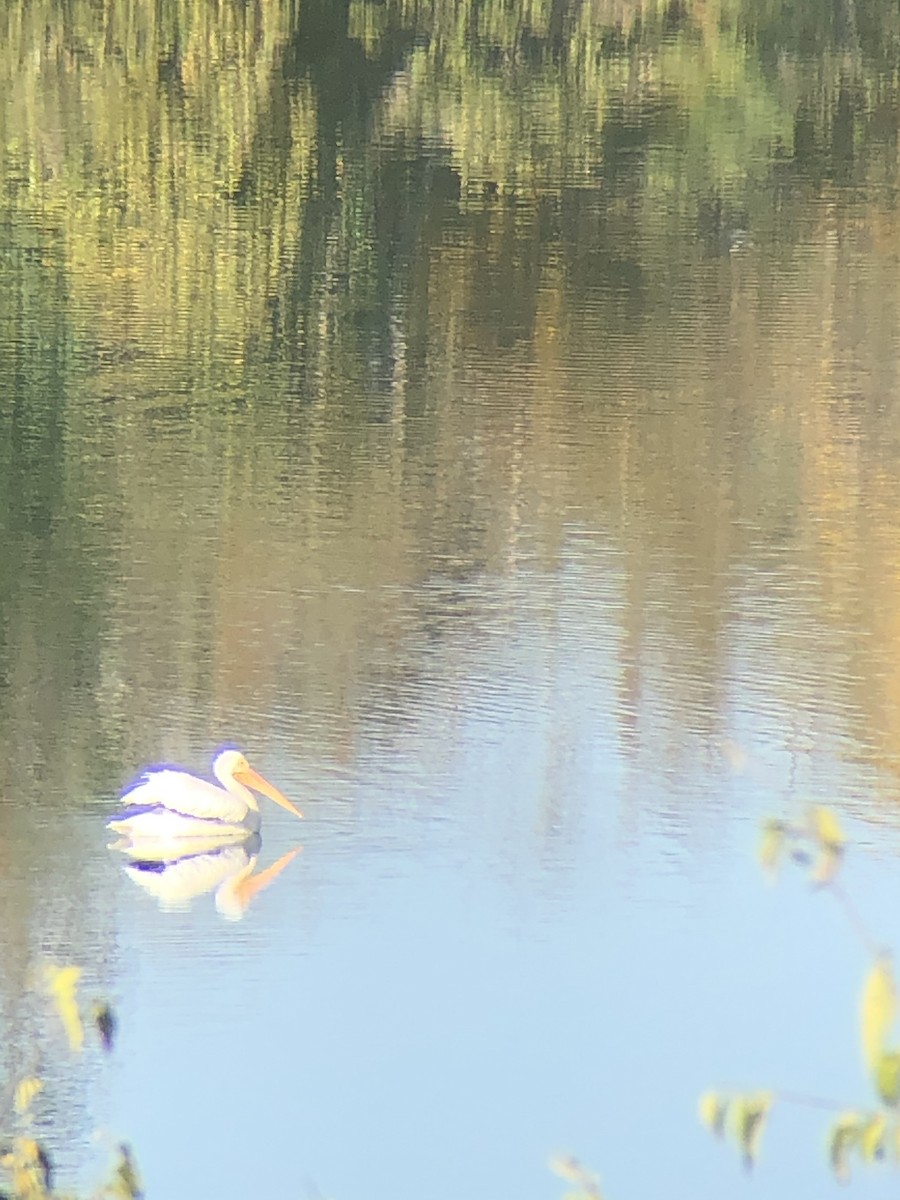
(182, 805)
(167, 803)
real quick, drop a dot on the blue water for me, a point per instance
(506, 937)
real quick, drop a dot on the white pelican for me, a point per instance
(165, 803)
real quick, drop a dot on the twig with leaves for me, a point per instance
(24, 1160)
(870, 1135)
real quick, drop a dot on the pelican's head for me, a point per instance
(231, 764)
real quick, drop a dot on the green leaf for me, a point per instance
(887, 1076)
(843, 1136)
(749, 1115)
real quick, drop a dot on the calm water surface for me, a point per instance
(498, 439)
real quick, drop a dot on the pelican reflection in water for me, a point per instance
(175, 879)
(168, 803)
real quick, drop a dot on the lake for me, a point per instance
(487, 417)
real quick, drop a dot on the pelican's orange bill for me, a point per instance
(253, 779)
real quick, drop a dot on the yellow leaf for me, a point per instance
(567, 1167)
(887, 1076)
(31, 1170)
(826, 866)
(126, 1181)
(26, 1090)
(771, 845)
(749, 1115)
(27, 1148)
(877, 1010)
(62, 983)
(827, 829)
(713, 1108)
(871, 1138)
(842, 1138)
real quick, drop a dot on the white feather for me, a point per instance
(185, 793)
